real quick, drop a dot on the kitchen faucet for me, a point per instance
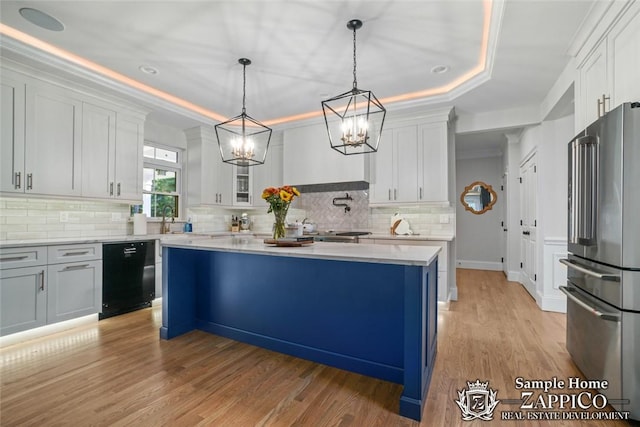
(164, 226)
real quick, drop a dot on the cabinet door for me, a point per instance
(128, 158)
(52, 159)
(98, 145)
(12, 94)
(243, 185)
(405, 164)
(23, 299)
(75, 290)
(433, 170)
(224, 182)
(624, 46)
(594, 80)
(382, 188)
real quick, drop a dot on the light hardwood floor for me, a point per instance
(119, 373)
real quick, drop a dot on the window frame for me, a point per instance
(176, 167)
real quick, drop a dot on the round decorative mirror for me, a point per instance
(478, 197)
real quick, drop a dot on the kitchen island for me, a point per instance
(370, 309)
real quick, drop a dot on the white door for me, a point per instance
(503, 226)
(528, 224)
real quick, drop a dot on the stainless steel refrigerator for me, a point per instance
(603, 266)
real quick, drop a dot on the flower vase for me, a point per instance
(278, 226)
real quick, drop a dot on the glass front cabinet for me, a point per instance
(242, 186)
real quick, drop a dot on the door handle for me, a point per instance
(42, 280)
(118, 193)
(604, 316)
(29, 181)
(111, 188)
(601, 276)
(526, 233)
(17, 177)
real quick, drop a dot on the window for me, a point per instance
(160, 182)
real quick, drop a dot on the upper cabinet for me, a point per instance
(309, 158)
(209, 179)
(269, 174)
(412, 164)
(60, 142)
(12, 94)
(608, 65)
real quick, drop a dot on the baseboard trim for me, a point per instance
(479, 265)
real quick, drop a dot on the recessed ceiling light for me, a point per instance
(41, 19)
(148, 69)
(439, 69)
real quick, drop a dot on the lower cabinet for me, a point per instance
(74, 290)
(41, 285)
(23, 299)
(444, 285)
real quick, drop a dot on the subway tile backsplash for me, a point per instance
(35, 218)
(31, 218)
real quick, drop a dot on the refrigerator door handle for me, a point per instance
(604, 316)
(601, 276)
(583, 190)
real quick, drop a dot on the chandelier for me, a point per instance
(243, 141)
(355, 118)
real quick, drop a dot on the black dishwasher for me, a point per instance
(128, 277)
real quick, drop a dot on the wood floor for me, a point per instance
(119, 373)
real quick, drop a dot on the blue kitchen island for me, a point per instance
(365, 308)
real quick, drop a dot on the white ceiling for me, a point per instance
(302, 50)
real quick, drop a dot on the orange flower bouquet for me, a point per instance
(279, 200)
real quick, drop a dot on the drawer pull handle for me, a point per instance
(14, 258)
(601, 276)
(75, 253)
(42, 280)
(76, 267)
(604, 316)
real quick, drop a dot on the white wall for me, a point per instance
(479, 237)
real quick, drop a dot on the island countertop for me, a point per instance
(371, 253)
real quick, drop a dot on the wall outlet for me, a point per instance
(64, 216)
(444, 219)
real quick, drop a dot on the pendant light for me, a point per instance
(355, 118)
(243, 141)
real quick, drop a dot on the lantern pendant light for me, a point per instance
(355, 118)
(243, 141)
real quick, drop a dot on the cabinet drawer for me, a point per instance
(74, 253)
(23, 257)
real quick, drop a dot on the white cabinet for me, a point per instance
(267, 175)
(111, 154)
(396, 166)
(445, 286)
(433, 167)
(42, 285)
(608, 66)
(412, 163)
(23, 289)
(12, 98)
(53, 146)
(23, 299)
(209, 179)
(243, 185)
(41, 149)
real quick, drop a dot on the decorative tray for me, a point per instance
(294, 242)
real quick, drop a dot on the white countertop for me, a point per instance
(443, 237)
(382, 254)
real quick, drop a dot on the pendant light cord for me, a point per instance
(244, 88)
(355, 81)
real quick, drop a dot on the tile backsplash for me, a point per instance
(34, 218)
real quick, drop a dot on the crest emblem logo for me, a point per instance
(477, 401)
